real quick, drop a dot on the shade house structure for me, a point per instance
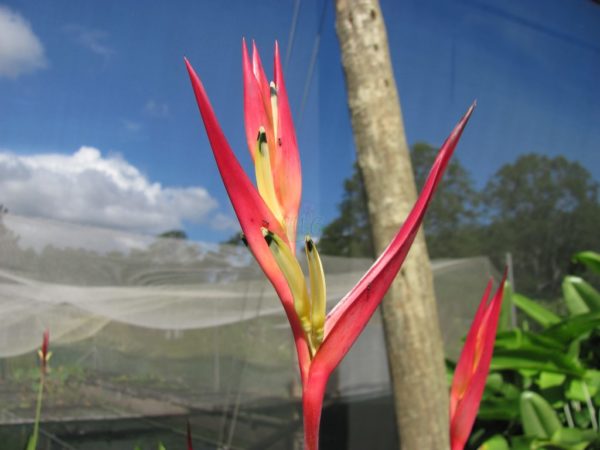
(149, 333)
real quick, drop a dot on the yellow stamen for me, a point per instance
(264, 175)
(318, 292)
(295, 278)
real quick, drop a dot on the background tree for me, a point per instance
(174, 234)
(350, 233)
(542, 210)
(451, 229)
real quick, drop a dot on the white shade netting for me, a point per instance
(178, 323)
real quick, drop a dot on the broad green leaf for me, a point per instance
(535, 311)
(593, 379)
(573, 438)
(535, 359)
(588, 294)
(161, 446)
(549, 379)
(580, 296)
(518, 338)
(575, 304)
(573, 327)
(496, 442)
(538, 418)
(590, 259)
(580, 390)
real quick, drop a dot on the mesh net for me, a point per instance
(144, 327)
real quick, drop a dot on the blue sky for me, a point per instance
(98, 123)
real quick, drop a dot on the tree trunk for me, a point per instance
(413, 336)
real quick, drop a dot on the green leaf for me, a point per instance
(535, 359)
(575, 303)
(549, 379)
(573, 327)
(161, 446)
(496, 442)
(538, 418)
(573, 438)
(518, 338)
(535, 311)
(580, 390)
(588, 294)
(590, 259)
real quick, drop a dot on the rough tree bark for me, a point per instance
(414, 343)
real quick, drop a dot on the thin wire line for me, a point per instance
(292, 35)
(313, 60)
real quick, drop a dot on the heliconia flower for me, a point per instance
(473, 367)
(268, 215)
(43, 352)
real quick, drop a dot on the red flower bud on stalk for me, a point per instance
(43, 352)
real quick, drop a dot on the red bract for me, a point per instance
(43, 353)
(268, 216)
(473, 367)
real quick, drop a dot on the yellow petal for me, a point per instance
(264, 176)
(293, 275)
(318, 291)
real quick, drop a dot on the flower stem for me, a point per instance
(312, 404)
(38, 412)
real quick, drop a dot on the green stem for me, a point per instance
(38, 412)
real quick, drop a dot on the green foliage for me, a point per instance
(350, 234)
(589, 259)
(543, 391)
(541, 209)
(450, 227)
(449, 224)
(174, 234)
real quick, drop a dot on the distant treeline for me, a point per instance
(538, 208)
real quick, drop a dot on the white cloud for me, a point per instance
(156, 109)
(20, 49)
(93, 40)
(88, 188)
